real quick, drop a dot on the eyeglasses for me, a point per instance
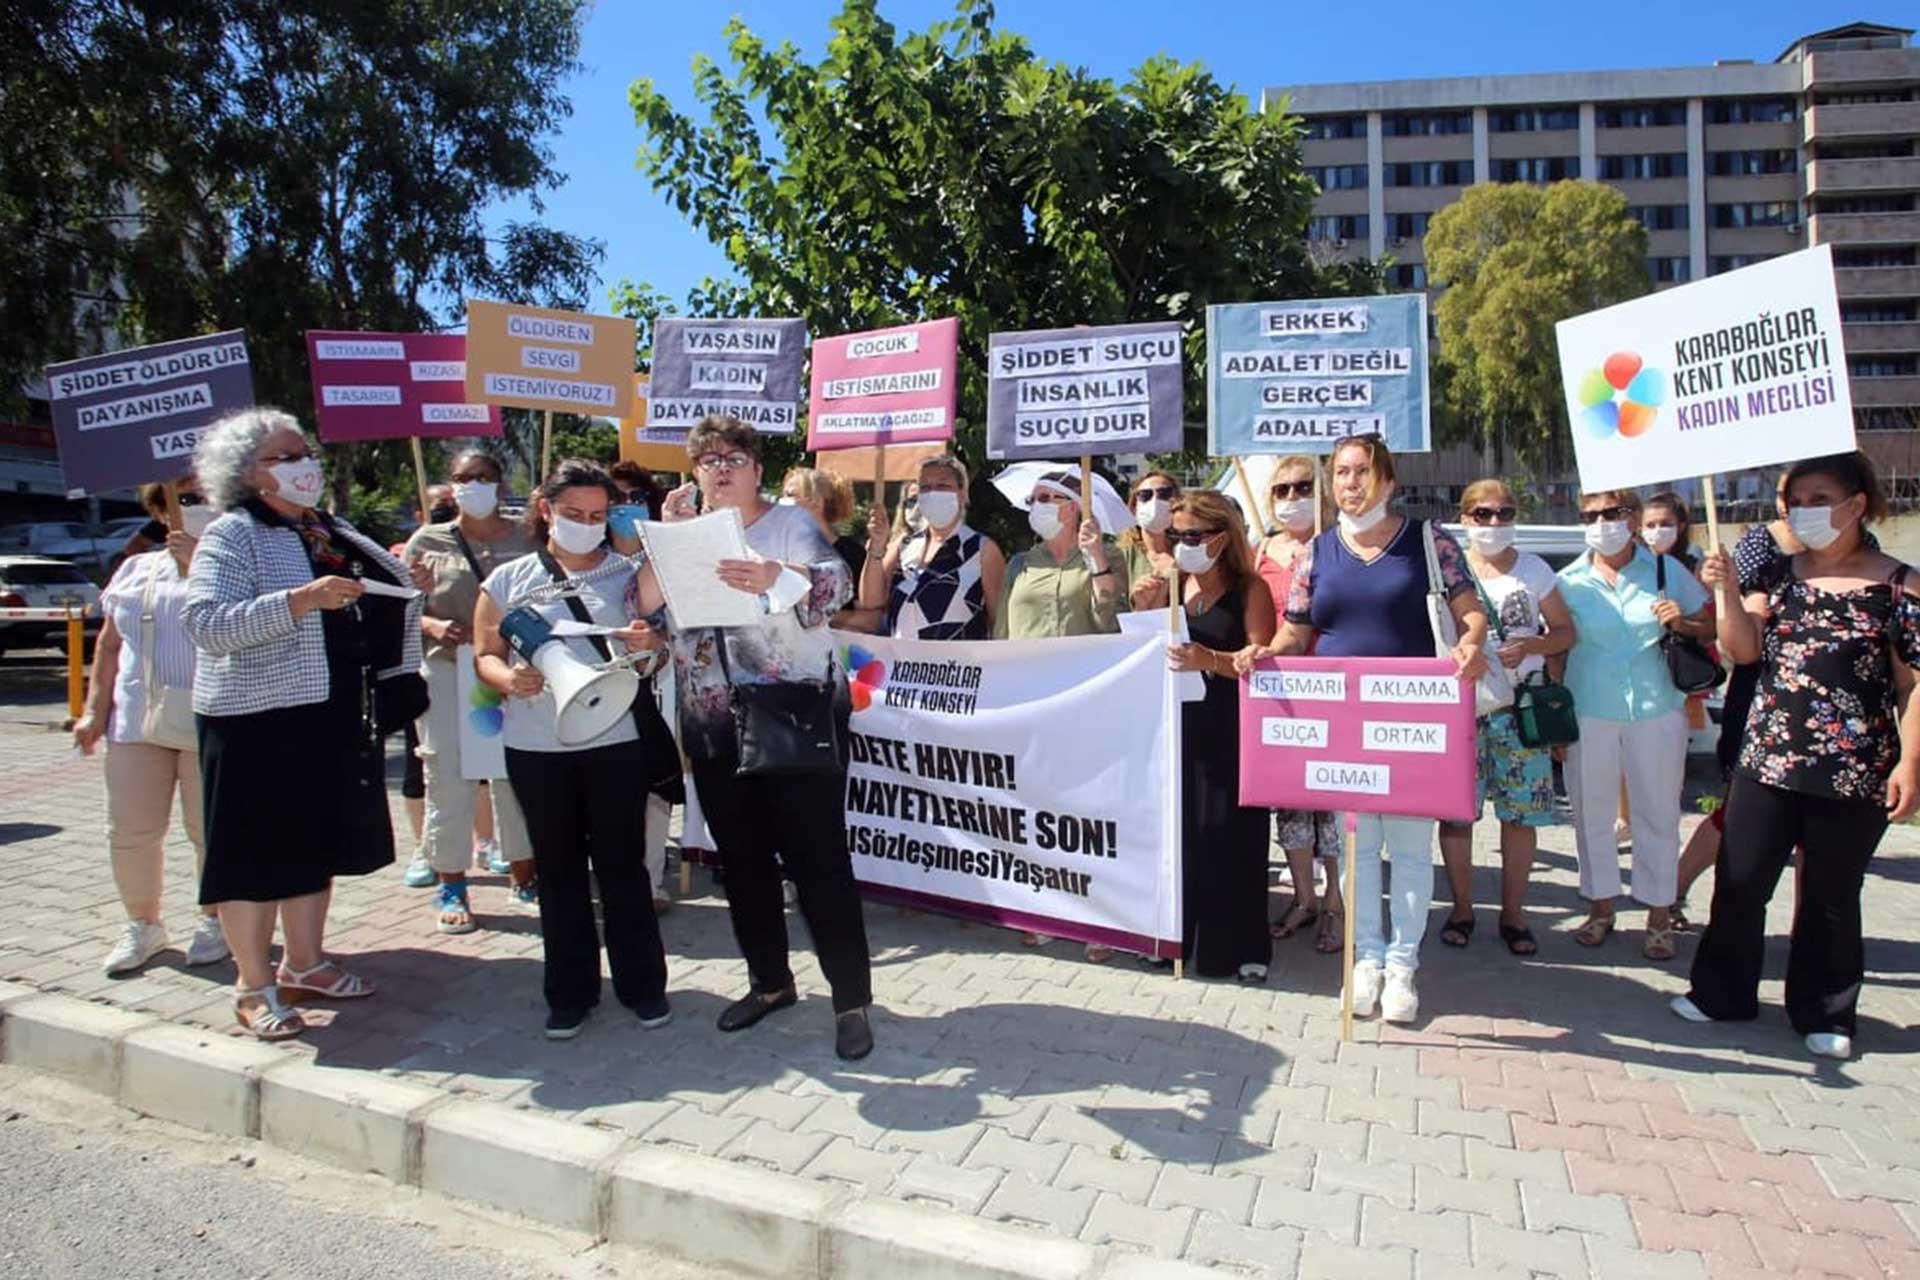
(1048, 495)
(274, 459)
(1605, 513)
(735, 461)
(1292, 489)
(1492, 515)
(1192, 537)
(1164, 492)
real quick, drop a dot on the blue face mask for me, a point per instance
(623, 521)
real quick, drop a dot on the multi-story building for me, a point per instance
(1724, 165)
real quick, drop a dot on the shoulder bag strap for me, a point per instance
(149, 665)
(473, 561)
(1493, 614)
(575, 605)
(1434, 581)
(1660, 573)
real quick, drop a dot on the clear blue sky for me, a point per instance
(1247, 43)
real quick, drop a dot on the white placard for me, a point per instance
(1336, 775)
(1431, 690)
(1299, 686)
(1426, 737)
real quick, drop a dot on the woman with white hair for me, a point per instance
(301, 673)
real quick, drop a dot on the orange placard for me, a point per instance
(655, 448)
(856, 465)
(537, 358)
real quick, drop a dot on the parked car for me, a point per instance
(62, 540)
(38, 582)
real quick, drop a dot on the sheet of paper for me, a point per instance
(375, 587)
(575, 627)
(686, 556)
(1191, 684)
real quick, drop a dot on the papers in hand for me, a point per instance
(1190, 685)
(686, 556)
(375, 587)
(575, 627)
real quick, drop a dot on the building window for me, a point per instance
(1738, 164)
(1769, 213)
(1660, 217)
(1536, 168)
(1405, 226)
(1884, 312)
(1409, 275)
(1885, 418)
(1883, 366)
(1533, 119)
(1751, 111)
(1670, 270)
(1325, 128)
(1725, 262)
(1430, 173)
(1879, 256)
(1426, 125)
(1339, 177)
(1866, 204)
(1337, 226)
(1640, 115)
(1659, 164)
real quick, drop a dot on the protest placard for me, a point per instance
(1363, 735)
(655, 448)
(1300, 376)
(960, 800)
(559, 361)
(902, 462)
(132, 416)
(391, 386)
(1741, 370)
(746, 368)
(884, 386)
(1105, 390)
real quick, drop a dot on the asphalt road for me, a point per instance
(91, 1192)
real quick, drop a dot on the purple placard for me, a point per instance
(390, 386)
(1056, 393)
(132, 416)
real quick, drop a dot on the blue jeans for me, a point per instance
(1409, 846)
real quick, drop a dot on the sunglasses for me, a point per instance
(1192, 537)
(723, 461)
(190, 499)
(1491, 515)
(1605, 513)
(1165, 492)
(1293, 489)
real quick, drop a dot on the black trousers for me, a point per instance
(1825, 961)
(586, 807)
(802, 818)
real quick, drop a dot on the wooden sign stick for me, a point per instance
(420, 477)
(1254, 513)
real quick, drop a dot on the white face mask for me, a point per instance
(1490, 539)
(1295, 513)
(939, 507)
(476, 498)
(1366, 520)
(1609, 537)
(194, 520)
(300, 482)
(1660, 538)
(1044, 519)
(1153, 514)
(574, 538)
(1193, 559)
(1814, 526)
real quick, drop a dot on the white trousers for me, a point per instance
(451, 798)
(1652, 756)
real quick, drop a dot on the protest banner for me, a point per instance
(129, 417)
(1740, 370)
(1105, 390)
(483, 751)
(746, 368)
(1300, 376)
(393, 386)
(884, 386)
(655, 448)
(961, 799)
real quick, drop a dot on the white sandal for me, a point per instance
(348, 986)
(273, 1020)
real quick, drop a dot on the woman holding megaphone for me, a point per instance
(578, 768)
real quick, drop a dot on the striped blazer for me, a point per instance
(254, 654)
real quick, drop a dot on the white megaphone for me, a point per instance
(588, 699)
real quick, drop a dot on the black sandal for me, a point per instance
(1519, 940)
(1457, 933)
(1307, 917)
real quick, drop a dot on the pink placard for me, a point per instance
(884, 386)
(1369, 735)
(389, 386)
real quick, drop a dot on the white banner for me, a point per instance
(1031, 783)
(1741, 370)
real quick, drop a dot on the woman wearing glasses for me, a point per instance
(1530, 623)
(1361, 591)
(1302, 833)
(1224, 845)
(1632, 717)
(1146, 558)
(802, 583)
(942, 581)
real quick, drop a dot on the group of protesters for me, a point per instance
(304, 644)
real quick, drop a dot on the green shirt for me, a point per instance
(1043, 598)
(1135, 563)
(455, 590)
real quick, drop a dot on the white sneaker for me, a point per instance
(1366, 988)
(1399, 1002)
(140, 943)
(209, 944)
(1686, 1008)
(1830, 1044)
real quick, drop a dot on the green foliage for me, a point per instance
(909, 176)
(1515, 260)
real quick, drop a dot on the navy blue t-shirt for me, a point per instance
(1374, 608)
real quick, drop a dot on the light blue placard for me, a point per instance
(1299, 376)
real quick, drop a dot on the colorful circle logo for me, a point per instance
(1621, 396)
(866, 675)
(484, 712)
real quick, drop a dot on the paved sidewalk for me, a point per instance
(1545, 1118)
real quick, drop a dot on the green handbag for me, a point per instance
(1543, 713)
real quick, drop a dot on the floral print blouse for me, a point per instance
(1824, 720)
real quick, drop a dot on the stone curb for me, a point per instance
(608, 1186)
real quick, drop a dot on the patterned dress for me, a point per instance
(940, 596)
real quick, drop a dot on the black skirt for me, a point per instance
(293, 797)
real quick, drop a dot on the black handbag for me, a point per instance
(788, 727)
(1543, 714)
(1692, 668)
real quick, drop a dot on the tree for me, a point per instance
(953, 172)
(1515, 260)
(277, 166)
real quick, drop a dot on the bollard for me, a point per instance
(76, 666)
